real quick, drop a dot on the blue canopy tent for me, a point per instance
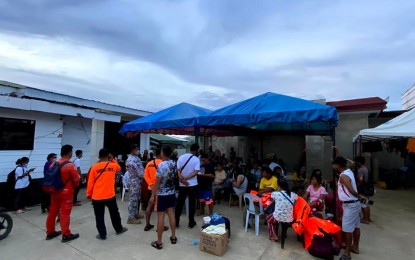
(271, 113)
(181, 119)
(274, 113)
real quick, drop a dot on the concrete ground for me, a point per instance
(390, 236)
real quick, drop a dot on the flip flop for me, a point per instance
(173, 240)
(157, 245)
(354, 251)
(148, 227)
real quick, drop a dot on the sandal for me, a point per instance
(173, 240)
(148, 227)
(157, 245)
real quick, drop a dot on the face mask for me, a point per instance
(25, 165)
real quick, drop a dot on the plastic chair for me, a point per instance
(252, 210)
(124, 189)
(235, 195)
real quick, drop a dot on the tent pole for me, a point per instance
(354, 149)
(262, 148)
(197, 129)
(333, 139)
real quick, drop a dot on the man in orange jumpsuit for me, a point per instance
(62, 200)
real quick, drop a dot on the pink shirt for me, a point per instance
(315, 194)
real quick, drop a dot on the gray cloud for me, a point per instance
(337, 50)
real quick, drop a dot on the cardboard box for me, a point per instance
(214, 244)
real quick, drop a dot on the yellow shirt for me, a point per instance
(271, 183)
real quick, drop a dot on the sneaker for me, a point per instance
(20, 211)
(77, 204)
(100, 237)
(69, 238)
(53, 235)
(27, 209)
(134, 221)
(139, 216)
(124, 229)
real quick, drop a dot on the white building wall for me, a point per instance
(97, 140)
(48, 130)
(77, 132)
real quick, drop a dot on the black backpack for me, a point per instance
(11, 180)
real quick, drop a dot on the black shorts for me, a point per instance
(165, 202)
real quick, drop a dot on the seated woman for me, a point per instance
(316, 194)
(240, 186)
(284, 207)
(277, 172)
(256, 174)
(300, 177)
(220, 178)
(300, 181)
(268, 182)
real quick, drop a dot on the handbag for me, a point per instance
(270, 209)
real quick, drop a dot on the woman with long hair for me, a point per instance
(284, 207)
(21, 186)
(316, 194)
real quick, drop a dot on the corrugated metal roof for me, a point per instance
(38, 94)
(358, 105)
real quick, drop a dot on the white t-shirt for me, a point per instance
(23, 182)
(344, 193)
(77, 162)
(192, 166)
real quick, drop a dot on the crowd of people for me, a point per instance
(160, 181)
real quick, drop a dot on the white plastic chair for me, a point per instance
(251, 211)
(125, 182)
(124, 190)
(238, 196)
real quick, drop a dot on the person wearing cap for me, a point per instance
(348, 195)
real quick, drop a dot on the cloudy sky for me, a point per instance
(153, 54)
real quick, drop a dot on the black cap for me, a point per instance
(340, 161)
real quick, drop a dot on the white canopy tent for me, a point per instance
(400, 127)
